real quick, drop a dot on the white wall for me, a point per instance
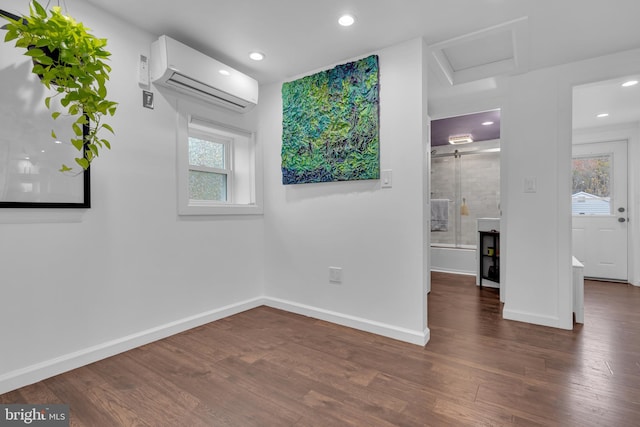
(538, 226)
(375, 235)
(128, 270)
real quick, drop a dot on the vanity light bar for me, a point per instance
(460, 139)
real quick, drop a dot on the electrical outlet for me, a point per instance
(335, 274)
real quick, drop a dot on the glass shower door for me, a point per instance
(470, 181)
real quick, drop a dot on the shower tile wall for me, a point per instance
(479, 185)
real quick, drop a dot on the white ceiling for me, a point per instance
(299, 36)
(621, 103)
(303, 35)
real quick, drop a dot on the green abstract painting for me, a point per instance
(330, 125)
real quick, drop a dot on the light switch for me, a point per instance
(386, 178)
(335, 274)
(530, 184)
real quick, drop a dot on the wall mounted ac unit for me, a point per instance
(182, 68)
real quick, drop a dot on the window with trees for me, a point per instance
(591, 194)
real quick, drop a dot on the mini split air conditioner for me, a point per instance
(182, 68)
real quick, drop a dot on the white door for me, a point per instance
(599, 207)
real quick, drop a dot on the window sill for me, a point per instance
(221, 209)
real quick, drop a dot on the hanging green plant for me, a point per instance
(70, 62)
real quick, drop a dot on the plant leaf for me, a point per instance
(35, 53)
(78, 143)
(84, 163)
(39, 9)
(43, 59)
(11, 35)
(23, 42)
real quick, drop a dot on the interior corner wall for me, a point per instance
(374, 234)
(77, 287)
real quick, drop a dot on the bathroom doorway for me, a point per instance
(464, 187)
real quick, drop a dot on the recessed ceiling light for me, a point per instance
(224, 72)
(256, 56)
(630, 83)
(489, 123)
(601, 115)
(346, 20)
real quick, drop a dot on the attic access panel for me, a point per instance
(490, 52)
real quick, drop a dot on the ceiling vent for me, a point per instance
(486, 53)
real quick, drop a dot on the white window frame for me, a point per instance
(244, 185)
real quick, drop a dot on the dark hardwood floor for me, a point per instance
(266, 367)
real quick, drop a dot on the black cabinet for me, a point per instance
(489, 256)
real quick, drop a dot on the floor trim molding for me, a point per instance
(420, 338)
(533, 318)
(31, 374)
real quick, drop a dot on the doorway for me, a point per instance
(599, 208)
(605, 149)
(464, 189)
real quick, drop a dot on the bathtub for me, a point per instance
(450, 259)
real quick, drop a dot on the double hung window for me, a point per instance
(219, 165)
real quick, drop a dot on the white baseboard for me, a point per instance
(420, 338)
(536, 319)
(453, 271)
(49, 368)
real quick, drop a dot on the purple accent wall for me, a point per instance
(471, 123)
